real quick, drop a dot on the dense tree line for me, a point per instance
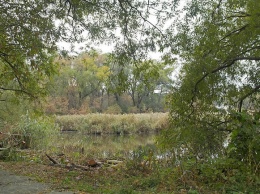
(91, 82)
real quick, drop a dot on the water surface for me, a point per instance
(103, 146)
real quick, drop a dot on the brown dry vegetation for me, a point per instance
(114, 124)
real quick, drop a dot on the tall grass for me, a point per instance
(36, 132)
(114, 124)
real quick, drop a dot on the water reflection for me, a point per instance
(102, 146)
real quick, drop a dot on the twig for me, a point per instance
(51, 159)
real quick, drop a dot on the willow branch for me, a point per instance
(144, 19)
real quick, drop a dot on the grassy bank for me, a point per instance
(114, 124)
(132, 177)
(141, 167)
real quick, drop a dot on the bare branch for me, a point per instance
(144, 19)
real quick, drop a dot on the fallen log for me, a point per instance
(69, 166)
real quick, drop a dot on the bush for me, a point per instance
(36, 132)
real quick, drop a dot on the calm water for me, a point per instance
(102, 146)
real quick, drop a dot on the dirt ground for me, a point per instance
(14, 184)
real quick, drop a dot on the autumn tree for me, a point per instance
(81, 80)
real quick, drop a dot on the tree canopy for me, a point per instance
(216, 98)
(27, 42)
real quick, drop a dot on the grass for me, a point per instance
(121, 137)
(131, 178)
(134, 177)
(114, 124)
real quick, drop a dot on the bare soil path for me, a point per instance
(14, 184)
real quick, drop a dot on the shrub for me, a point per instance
(36, 132)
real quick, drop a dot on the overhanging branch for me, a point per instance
(256, 89)
(237, 31)
(233, 61)
(14, 70)
(144, 19)
(224, 66)
(16, 90)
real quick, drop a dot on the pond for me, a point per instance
(102, 146)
